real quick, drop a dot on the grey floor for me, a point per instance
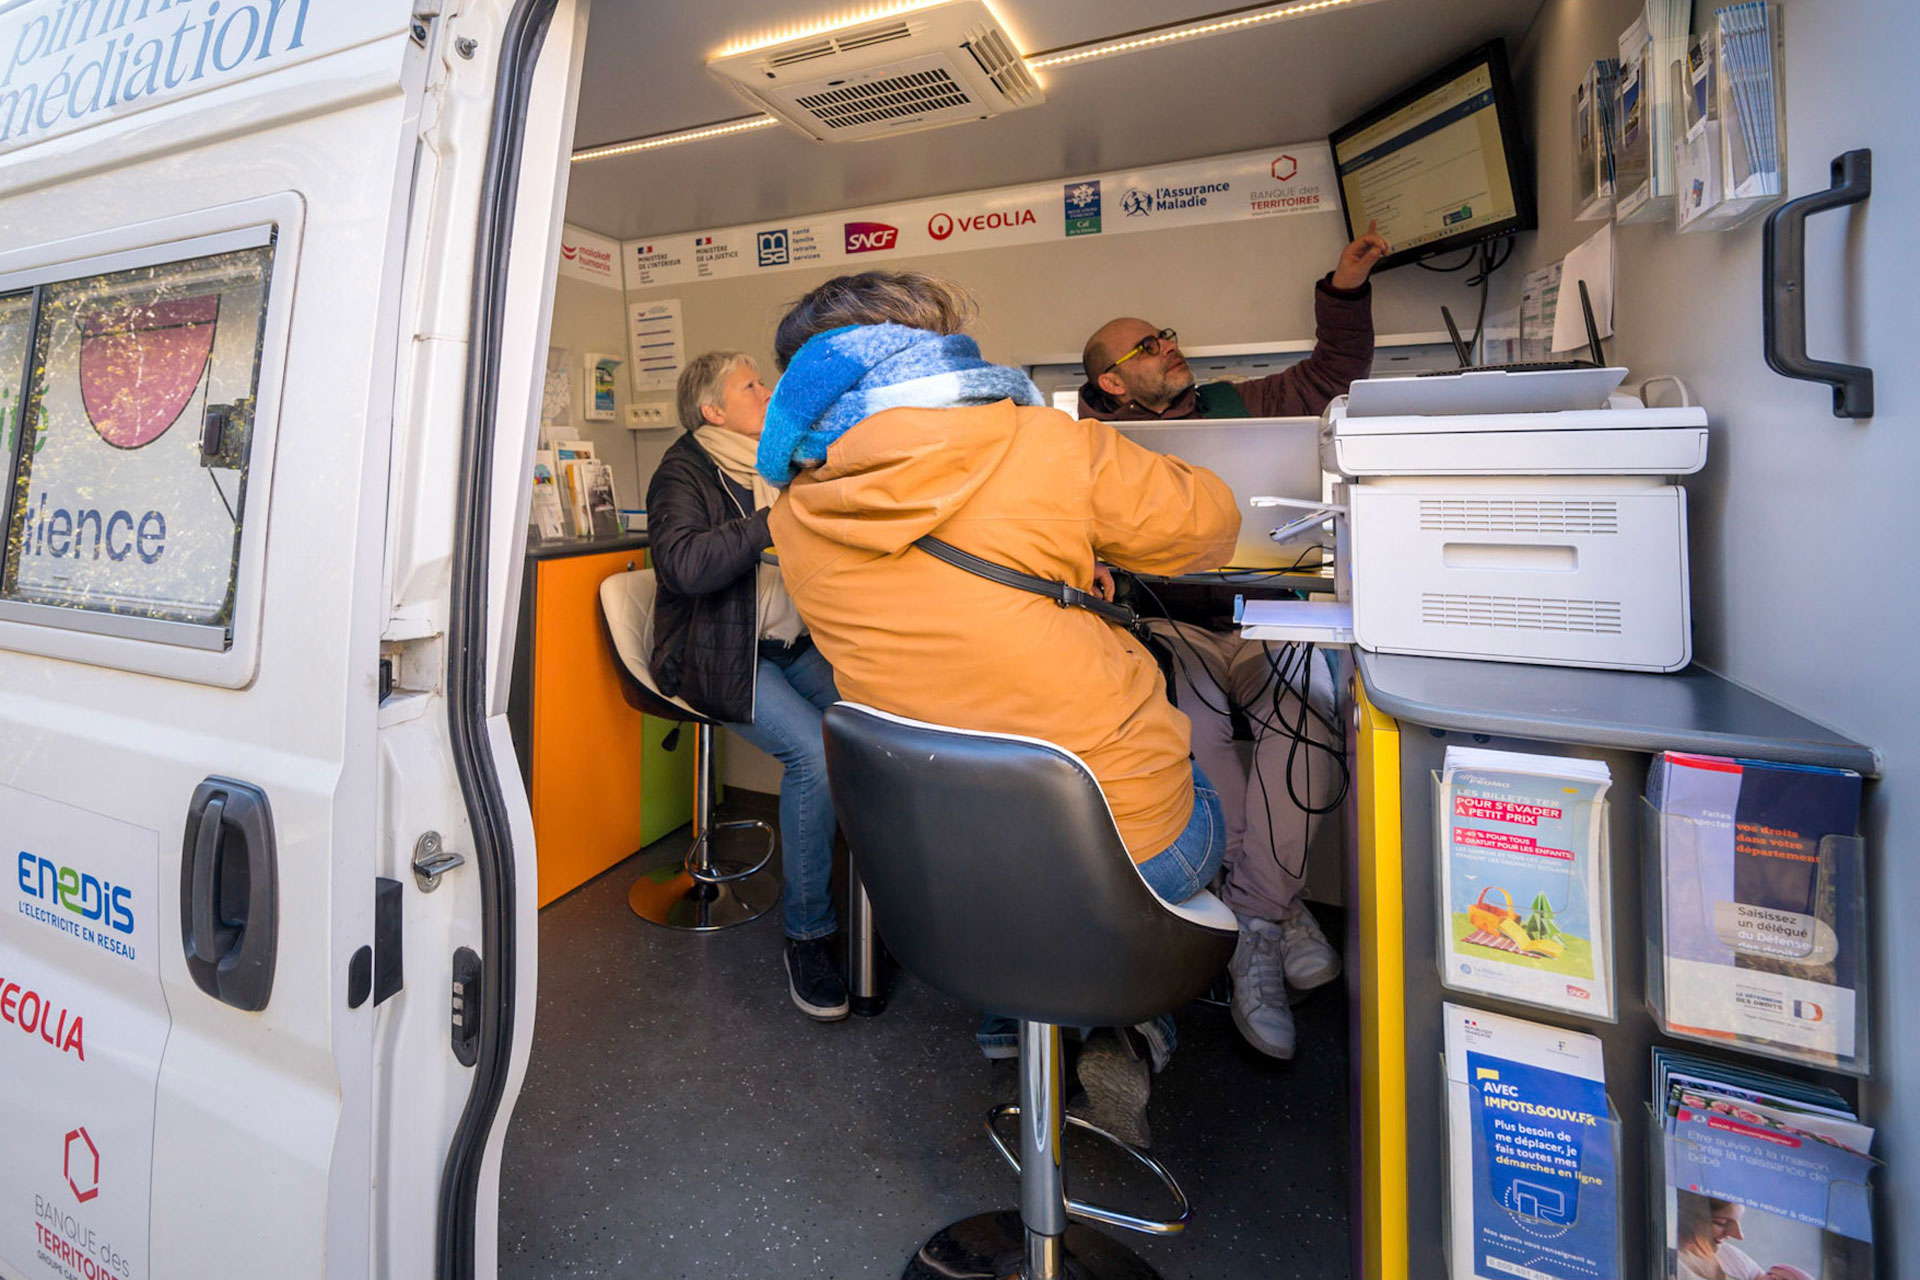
(682, 1119)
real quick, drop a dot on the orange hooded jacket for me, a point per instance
(1038, 491)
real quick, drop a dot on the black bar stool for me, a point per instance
(996, 864)
(715, 892)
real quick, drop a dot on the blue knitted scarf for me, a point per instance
(845, 375)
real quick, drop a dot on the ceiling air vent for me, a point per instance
(942, 64)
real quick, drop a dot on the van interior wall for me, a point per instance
(1225, 283)
(1803, 525)
(592, 317)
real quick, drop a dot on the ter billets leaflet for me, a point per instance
(1524, 896)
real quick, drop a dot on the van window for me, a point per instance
(130, 457)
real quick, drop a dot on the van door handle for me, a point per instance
(1783, 292)
(230, 893)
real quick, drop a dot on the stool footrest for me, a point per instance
(1094, 1212)
(700, 864)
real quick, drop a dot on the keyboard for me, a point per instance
(1524, 366)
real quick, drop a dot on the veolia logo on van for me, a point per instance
(942, 225)
(76, 902)
(868, 237)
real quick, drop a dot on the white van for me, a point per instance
(277, 292)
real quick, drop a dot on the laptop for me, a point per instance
(1257, 457)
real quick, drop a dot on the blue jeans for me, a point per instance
(1176, 873)
(788, 696)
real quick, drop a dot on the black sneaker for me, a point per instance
(815, 985)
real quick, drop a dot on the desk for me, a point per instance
(1406, 712)
(599, 780)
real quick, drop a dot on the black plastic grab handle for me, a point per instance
(1783, 287)
(230, 893)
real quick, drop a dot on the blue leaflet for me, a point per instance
(1545, 1195)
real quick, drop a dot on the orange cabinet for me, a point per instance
(592, 764)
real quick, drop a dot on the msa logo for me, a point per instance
(76, 893)
(773, 248)
(869, 237)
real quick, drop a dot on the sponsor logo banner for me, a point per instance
(589, 257)
(1276, 181)
(83, 1024)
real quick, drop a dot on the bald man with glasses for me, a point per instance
(1136, 373)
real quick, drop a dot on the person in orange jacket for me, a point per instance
(887, 426)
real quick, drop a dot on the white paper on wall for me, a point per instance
(659, 345)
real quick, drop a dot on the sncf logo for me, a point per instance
(866, 237)
(77, 893)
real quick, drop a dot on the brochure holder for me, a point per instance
(1643, 145)
(1668, 1158)
(1543, 1228)
(1783, 997)
(1593, 139)
(1494, 914)
(1730, 143)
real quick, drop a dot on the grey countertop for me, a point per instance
(1691, 710)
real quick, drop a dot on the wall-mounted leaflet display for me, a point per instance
(1730, 148)
(1525, 891)
(1533, 1152)
(1594, 132)
(1644, 109)
(1756, 908)
(1754, 1174)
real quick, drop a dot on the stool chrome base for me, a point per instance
(681, 902)
(993, 1246)
(709, 891)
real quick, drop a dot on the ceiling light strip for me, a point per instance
(1152, 38)
(655, 141)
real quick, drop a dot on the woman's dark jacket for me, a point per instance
(706, 544)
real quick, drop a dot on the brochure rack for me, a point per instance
(1669, 1158)
(1774, 1013)
(1408, 712)
(1543, 1226)
(1522, 972)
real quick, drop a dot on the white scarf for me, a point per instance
(734, 453)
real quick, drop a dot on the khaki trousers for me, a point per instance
(1268, 833)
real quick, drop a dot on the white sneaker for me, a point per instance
(1260, 988)
(1310, 960)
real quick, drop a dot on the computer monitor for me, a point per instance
(1439, 166)
(1257, 457)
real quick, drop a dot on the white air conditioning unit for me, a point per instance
(943, 64)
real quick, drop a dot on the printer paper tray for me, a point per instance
(1658, 451)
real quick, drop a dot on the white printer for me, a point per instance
(1516, 517)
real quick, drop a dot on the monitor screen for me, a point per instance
(1439, 166)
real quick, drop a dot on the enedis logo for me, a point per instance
(73, 896)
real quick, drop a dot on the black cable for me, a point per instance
(223, 496)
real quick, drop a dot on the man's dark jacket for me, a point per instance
(706, 544)
(1342, 352)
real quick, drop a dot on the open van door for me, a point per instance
(252, 646)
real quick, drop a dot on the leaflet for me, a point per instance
(1760, 911)
(1533, 1181)
(1765, 1176)
(1524, 893)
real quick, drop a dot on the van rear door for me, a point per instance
(200, 279)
